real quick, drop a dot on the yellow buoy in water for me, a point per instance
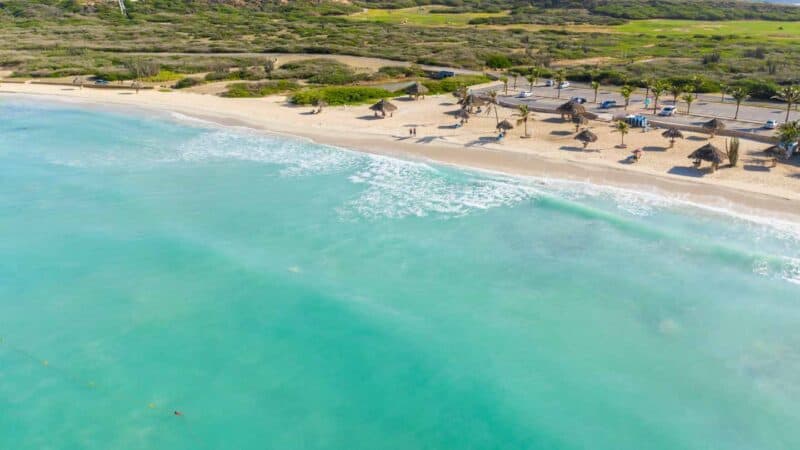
(45, 363)
(151, 405)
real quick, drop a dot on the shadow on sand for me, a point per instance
(482, 141)
(687, 171)
(654, 148)
(370, 117)
(755, 168)
(561, 133)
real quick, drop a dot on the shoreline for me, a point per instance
(744, 200)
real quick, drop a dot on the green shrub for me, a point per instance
(263, 89)
(452, 84)
(339, 95)
(498, 61)
(164, 75)
(318, 71)
(187, 82)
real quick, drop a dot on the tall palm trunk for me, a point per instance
(788, 110)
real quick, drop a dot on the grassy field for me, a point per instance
(744, 28)
(420, 16)
(762, 29)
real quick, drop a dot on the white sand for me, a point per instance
(551, 152)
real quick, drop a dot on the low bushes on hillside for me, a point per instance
(339, 95)
(187, 83)
(263, 89)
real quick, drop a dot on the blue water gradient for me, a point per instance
(286, 295)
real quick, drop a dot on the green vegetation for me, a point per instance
(339, 95)
(452, 84)
(187, 83)
(164, 75)
(262, 89)
(425, 16)
(230, 39)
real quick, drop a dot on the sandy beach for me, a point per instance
(551, 151)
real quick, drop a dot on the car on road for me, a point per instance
(101, 82)
(578, 100)
(525, 94)
(549, 83)
(563, 85)
(442, 74)
(771, 124)
(608, 104)
(668, 110)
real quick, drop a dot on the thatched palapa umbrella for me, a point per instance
(672, 134)
(708, 153)
(472, 100)
(578, 120)
(384, 106)
(463, 114)
(417, 90)
(571, 109)
(586, 137)
(713, 126)
(505, 125)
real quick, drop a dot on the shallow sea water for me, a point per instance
(286, 295)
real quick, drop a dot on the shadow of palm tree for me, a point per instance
(428, 139)
(481, 141)
(369, 117)
(572, 148)
(553, 120)
(561, 133)
(697, 138)
(686, 171)
(755, 168)
(654, 148)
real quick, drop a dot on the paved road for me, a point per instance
(751, 118)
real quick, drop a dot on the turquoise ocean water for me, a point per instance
(287, 295)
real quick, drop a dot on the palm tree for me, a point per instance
(723, 89)
(504, 79)
(657, 88)
(493, 101)
(789, 132)
(790, 95)
(689, 98)
(524, 115)
(622, 128)
(626, 92)
(514, 74)
(595, 88)
(647, 83)
(739, 94)
(559, 79)
(536, 72)
(676, 91)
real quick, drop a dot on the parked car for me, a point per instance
(100, 82)
(563, 85)
(608, 104)
(771, 124)
(525, 94)
(442, 74)
(668, 110)
(578, 100)
(549, 83)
